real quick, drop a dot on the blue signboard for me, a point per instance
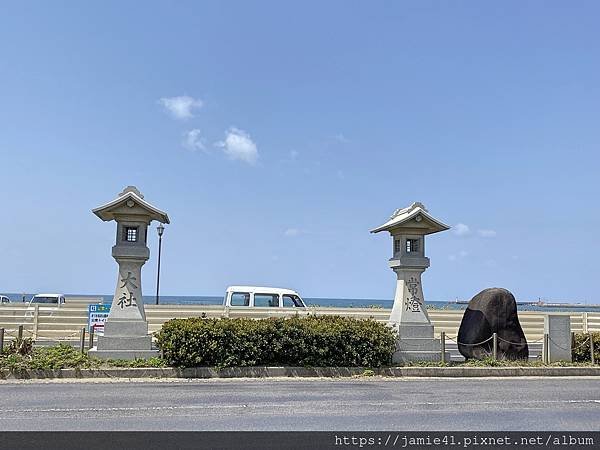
(97, 315)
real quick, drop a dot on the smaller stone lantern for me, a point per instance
(126, 330)
(408, 228)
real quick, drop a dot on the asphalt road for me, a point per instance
(503, 404)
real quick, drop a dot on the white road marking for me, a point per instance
(295, 405)
(119, 409)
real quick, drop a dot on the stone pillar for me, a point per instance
(408, 305)
(409, 317)
(126, 330)
(558, 328)
(127, 305)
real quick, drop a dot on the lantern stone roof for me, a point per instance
(415, 216)
(130, 202)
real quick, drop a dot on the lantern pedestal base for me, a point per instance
(124, 339)
(116, 327)
(123, 354)
(411, 356)
(416, 343)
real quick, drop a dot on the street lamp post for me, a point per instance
(161, 229)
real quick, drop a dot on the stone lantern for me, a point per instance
(126, 330)
(408, 228)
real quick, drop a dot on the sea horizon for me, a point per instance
(328, 302)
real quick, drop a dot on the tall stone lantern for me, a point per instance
(408, 228)
(126, 330)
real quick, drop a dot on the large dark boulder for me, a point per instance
(493, 310)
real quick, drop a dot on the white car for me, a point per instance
(262, 297)
(4, 300)
(48, 299)
(51, 302)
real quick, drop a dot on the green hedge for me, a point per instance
(581, 347)
(298, 341)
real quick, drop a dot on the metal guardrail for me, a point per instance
(56, 324)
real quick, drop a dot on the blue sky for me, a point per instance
(277, 135)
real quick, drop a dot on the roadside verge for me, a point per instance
(308, 372)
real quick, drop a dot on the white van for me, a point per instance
(262, 297)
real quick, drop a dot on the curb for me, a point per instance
(304, 372)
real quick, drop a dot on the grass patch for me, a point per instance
(18, 357)
(138, 362)
(489, 362)
(61, 356)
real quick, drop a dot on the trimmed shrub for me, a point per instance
(581, 347)
(298, 341)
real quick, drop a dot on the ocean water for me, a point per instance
(325, 302)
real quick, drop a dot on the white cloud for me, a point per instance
(239, 145)
(460, 229)
(487, 233)
(192, 140)
(294, 155)
(291, 232)
(181, 107)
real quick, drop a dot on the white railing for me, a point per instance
(45, 323)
